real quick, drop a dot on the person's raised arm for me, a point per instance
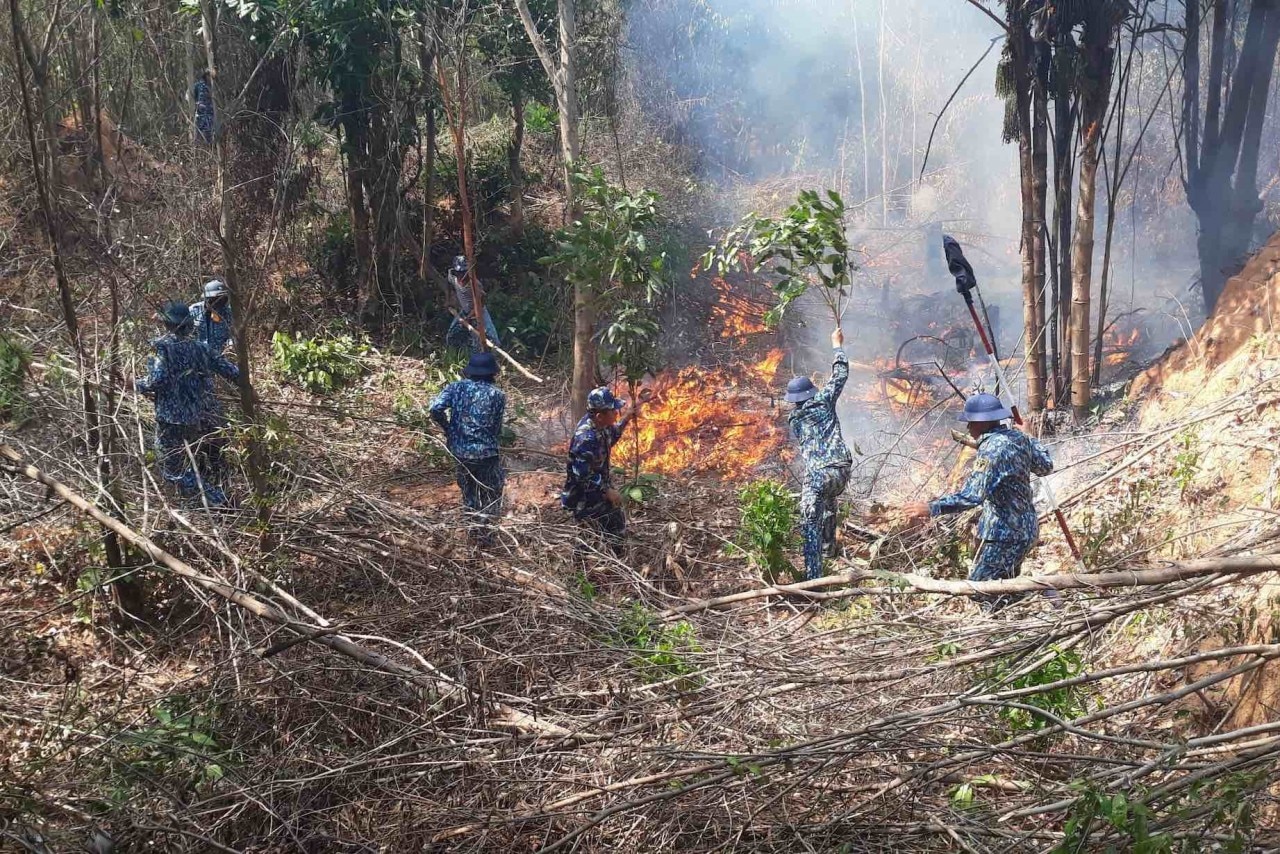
(839, 370)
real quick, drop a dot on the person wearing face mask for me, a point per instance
(212, 317)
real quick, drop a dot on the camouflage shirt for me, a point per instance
(470, 413)
(816, 425)
(588, 476)
(1001, 483)
(213, 327)
(180, 379)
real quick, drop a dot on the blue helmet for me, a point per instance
(603, 400)
(799, 390)
(176, 314)
(983, 408)
(459, 265)
(481, 365)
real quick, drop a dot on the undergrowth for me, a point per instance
(1065, 703)
(768, 512)
(659, 650)
(14, 359)
(319, 365)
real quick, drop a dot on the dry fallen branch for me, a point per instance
(438, 683)
(905, 582)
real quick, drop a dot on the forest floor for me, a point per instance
(540, 694)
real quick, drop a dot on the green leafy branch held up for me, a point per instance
(807, 245)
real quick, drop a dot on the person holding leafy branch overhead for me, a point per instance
(827, 461)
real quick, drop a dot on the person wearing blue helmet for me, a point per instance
(180, 380)
(827, 461)
(470, 413)
(1001, 484)
(588, 492)
(212, 316)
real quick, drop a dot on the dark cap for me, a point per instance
(799, 390)
(481, 366)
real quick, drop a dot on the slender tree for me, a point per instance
(1224, 139)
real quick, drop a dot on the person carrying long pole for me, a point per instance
(966, 285)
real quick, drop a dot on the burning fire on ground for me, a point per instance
(738, 316)
(704, 420)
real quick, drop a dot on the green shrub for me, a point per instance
(768, 524)
(14, 359)
(661, 650)
(319, 365)
(179, 745)
(1065, 703)
(539, 118)
(490, 175)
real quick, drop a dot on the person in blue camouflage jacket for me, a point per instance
(202, 94)
(589, 493)
(470, 412)
(212, 317)
(1001, 484)
(826, 458)
(179, 379)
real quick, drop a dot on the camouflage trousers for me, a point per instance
(481, 482)
(610, 521)
(178, 444)
(822, 489)
(998, 560)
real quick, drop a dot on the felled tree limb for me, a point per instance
(1136, 577)
(435, 681)
(495, 348)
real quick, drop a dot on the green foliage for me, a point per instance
(539, 118)
(1065, 703)
(768, 524)
(319, 365)
(644, 487)
(1219, 806)
(631, 341)
(180, 744)
(607, 249)
(1186, 463)
(808, 244)
(488, 170)
(661, 650)
(14, 359)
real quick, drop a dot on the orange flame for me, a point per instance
(738, 317)
(766, 370)
(704, 421)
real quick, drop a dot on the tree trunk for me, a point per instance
(44, 167)
(1099, 54)
(563, 75)
(1226, 210)
(1023, 73)
(230, 236)
(367, 306)
(514, 150)
(1036, 373)
(428, 194)
(458, 124)
(1063, 172)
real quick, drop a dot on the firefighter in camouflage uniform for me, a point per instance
(470, 413)
(589, 493)
(1001, 484)
(180, 380)
(827, 461)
